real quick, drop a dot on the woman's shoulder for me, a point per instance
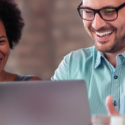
(19, 77)
(26, 78)
(35, 78)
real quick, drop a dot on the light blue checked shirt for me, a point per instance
(101, 78)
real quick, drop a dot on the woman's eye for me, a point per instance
(2, 41)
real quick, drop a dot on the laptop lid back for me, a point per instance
(44, 103)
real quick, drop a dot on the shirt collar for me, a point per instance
(100, 55)
(120, 58)
(98, 59)
(123, 54)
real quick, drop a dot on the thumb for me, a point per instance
(110, 106)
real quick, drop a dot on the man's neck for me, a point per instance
(111, 58)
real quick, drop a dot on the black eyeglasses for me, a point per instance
(106, 13)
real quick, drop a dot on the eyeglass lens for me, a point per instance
(107, 14)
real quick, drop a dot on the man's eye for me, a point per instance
(88, 11)
(109, 10)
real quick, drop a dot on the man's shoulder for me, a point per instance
(84, 52)
(74, 63)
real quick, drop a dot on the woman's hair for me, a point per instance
(10, 15)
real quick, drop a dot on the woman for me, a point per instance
(11, 24)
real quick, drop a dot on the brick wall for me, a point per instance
(53, 28)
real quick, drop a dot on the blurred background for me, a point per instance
(52, 29)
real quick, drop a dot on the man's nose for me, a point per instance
(98, 22)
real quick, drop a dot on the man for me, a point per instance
(103, 65)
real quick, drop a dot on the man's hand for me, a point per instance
(110, 106)
(111, 111)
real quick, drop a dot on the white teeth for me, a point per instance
(103, 34)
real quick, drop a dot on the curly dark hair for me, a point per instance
(10, 15)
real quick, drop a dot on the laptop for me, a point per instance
(44, 103)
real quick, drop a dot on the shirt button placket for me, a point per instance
(115, 89)
(115, 77)
(115, 103)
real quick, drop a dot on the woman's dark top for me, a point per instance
(23, 78)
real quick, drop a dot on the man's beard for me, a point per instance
(119, 44)
(119, 40)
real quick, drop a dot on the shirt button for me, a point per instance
(115, 77)
(115, 103)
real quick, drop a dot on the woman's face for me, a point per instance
(4, 47)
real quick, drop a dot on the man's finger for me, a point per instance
(110, 106)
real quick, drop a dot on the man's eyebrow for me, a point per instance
(100, 8)
(2, 37)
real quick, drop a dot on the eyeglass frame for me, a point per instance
(98, 11)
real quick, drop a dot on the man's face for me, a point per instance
(114, 41)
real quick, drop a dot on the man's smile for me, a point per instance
(104, 36)
(104, 33)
